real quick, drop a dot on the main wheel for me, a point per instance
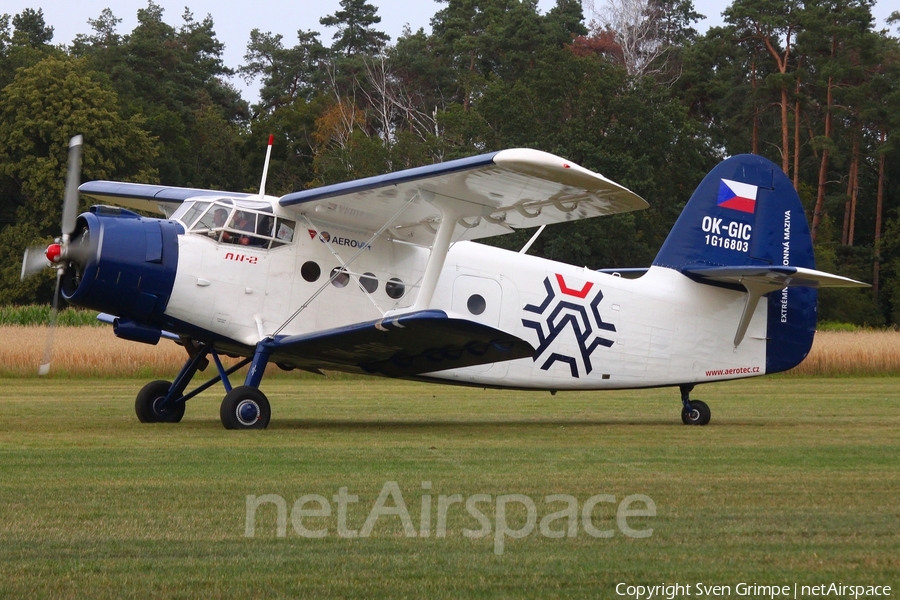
(245, 407)
(698, 415)
(146, 405)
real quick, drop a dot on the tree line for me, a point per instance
(632, 91)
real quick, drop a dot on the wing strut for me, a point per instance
(344, 266)
(352, 258)
(439, 250)
(755, 291)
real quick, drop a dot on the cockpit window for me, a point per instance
(214, 218)
(284, 232)
(237, 225)
(192, 213)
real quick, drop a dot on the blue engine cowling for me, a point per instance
(123, 264)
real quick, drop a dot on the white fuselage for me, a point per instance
(659, 329)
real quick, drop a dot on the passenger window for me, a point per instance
(368, 282)
(476, 304)
(394, 288)
(310, 271)
(341, 279)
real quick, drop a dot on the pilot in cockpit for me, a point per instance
(240, 222)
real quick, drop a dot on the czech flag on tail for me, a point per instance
(737, 196)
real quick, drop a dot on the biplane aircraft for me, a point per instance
(383, 276)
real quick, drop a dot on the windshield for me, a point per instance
(236, 225)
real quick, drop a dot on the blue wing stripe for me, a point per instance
(369, 183)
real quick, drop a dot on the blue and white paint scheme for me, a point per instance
(384, 276)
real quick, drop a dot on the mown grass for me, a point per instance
(795, 480)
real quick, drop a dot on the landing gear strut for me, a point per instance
(244, 407)
(694, 412)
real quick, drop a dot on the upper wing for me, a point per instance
(151, 198)
(491, 194)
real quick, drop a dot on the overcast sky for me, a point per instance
(233, 23)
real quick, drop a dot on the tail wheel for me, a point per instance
(245, 407)
(147, 404)
(699, 413)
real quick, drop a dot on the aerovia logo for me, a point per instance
(563, 308)
(336, 240)
(737, 196)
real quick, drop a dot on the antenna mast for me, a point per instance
(262, 184)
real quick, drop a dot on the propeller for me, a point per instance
(63, 251)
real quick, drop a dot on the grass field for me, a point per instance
(795, 481)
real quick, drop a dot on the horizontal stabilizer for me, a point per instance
(401, 346)
(776, 277)
(759, 281)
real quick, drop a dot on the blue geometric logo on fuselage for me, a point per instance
(566, 309)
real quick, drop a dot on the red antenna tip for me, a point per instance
(271, 139)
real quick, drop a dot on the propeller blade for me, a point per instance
(34, 260)
(48, 347)
(73, 179)
(79, 252)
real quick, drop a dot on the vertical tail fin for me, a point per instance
(746, 213)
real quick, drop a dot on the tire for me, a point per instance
(146, 404)
(245, 407)
(699, 415)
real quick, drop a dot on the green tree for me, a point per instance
(44, 106)
(25, 44)
(630, 130)
(286, 74)
(355, 33)
(775, 24)
(174, 78)
(30, 29)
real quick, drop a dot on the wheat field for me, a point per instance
(96, 352)
(85, 351)
(864, 352)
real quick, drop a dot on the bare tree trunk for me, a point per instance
(637, 31)
(854, 190)
(845, 226)
(754, 143)
(785, 135)
(879, 198)
(782, 63)
(797, 138)
(823, 167)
